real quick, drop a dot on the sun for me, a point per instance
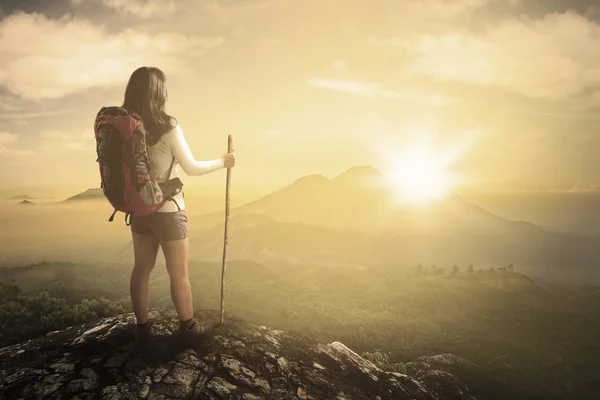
(420, 175)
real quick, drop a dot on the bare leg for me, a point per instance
(176, 257)
(145, 249)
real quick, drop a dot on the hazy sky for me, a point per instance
(512, 88)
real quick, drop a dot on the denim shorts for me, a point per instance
(165, 226)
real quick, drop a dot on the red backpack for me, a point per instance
(124, 164)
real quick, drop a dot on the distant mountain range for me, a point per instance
(354, 220)
(26, 203)
(362, 199)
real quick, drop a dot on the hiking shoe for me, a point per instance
(199, 330)
(142, 334)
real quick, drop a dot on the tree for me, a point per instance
(8, 291)
(24, 317)
(454, 271)
(471, 270)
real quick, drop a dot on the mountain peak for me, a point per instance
(360, 170)
(26, 203)
(312, 178)
(362, 176)
(93, 193)
(238, 360)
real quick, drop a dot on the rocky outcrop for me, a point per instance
(238, 360)
(440, 373)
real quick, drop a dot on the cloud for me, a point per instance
(57, 141)
(65, 56)
(52, 135)
(553, 57)
(6, 151)
(21, 115)
(444, 8)
(142, 8)
(440, 10)
(375, 91)
(7, 140)
(10, 104)
(87, 134)
(16, 109)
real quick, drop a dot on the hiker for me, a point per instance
(146, 95)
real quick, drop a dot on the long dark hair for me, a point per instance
(146, 95)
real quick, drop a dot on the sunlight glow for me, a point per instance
(421, 173)
(420, 176)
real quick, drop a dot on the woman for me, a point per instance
(146, 95)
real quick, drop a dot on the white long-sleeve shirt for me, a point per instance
(161, 154)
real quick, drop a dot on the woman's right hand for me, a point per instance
(229, 160)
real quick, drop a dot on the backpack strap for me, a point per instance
(112, 216)
(171, 168)
(169, 177)
(174, 201)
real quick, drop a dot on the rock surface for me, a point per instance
(99, 360)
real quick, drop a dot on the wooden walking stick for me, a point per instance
(229, 150)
